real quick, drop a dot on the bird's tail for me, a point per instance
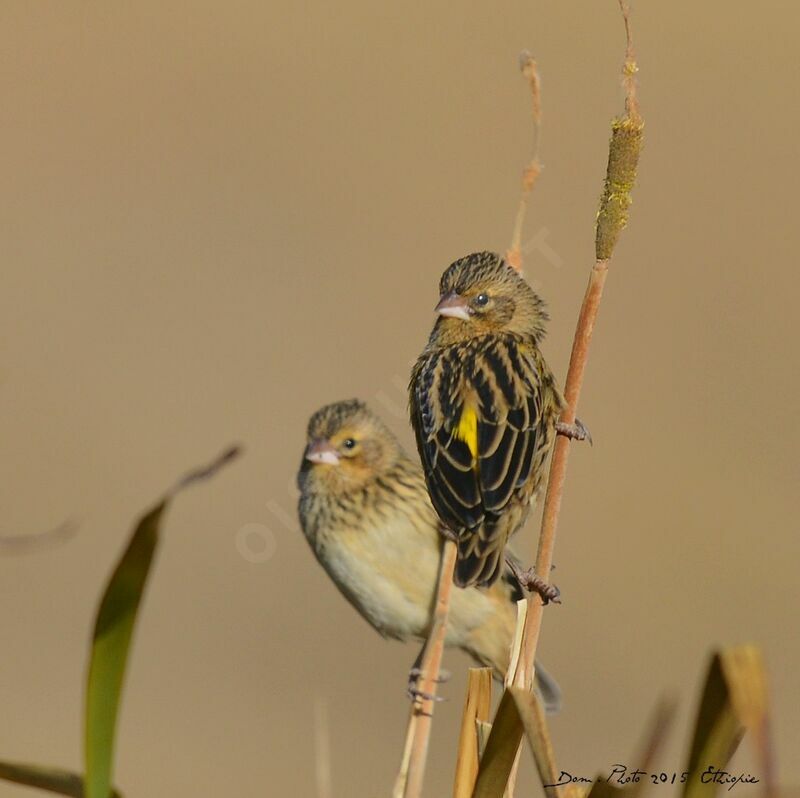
(490, 645)
(548, 690)
(490, 641)
(480, 561)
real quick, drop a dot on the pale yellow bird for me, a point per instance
(367, 516)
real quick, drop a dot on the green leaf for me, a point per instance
(58, 781)
(735, 700)
(113, 630)
(110, 645)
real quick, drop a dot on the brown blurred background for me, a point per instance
(216, 217)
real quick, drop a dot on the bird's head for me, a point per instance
(481, 294)
(348, 447)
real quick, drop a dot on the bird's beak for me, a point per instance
(321, 451)
(453, 305)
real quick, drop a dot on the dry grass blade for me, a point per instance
(653, 742)
(605, 789)
(519, 712)
(663, 718)
(23, 544)
(501, 749)
(483, 729)
(415, 751)
(477, 705)
(538, 734)
(735, 700)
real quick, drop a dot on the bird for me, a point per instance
(365, 511)
(484, 406)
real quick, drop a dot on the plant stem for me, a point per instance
(623, 159)
(415, 752)
(555, 486)
(532, 171)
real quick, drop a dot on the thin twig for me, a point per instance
(24, 543)
(322, 749)
(530, 175)
(533, 169)
(623, 158)
(626, 138)
(415, 752)
(558, 468)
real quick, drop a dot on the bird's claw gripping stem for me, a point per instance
(530, 581)
(577, 431)
(414, 675)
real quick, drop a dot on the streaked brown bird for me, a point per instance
(366, 514)
(484, 406)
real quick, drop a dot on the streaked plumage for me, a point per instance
(484, 405)
(365, 511)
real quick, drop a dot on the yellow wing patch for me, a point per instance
(467, 430)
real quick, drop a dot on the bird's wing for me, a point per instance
(444, 441)
(477, 409)
(509, 388)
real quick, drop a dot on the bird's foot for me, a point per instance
(530, 581)
(535, 584)
(416, 673)
(413, 691)
(575, 432)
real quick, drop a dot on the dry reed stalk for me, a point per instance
(409, 780)
(415, 751)
(530, 175)
(532, 171)
(524, 674)
(322, 749)
(624, 148)
(477, 705)
(626, 138)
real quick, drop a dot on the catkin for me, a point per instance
(623, 158)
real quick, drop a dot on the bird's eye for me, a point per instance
(482, 300)
(349, 443)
